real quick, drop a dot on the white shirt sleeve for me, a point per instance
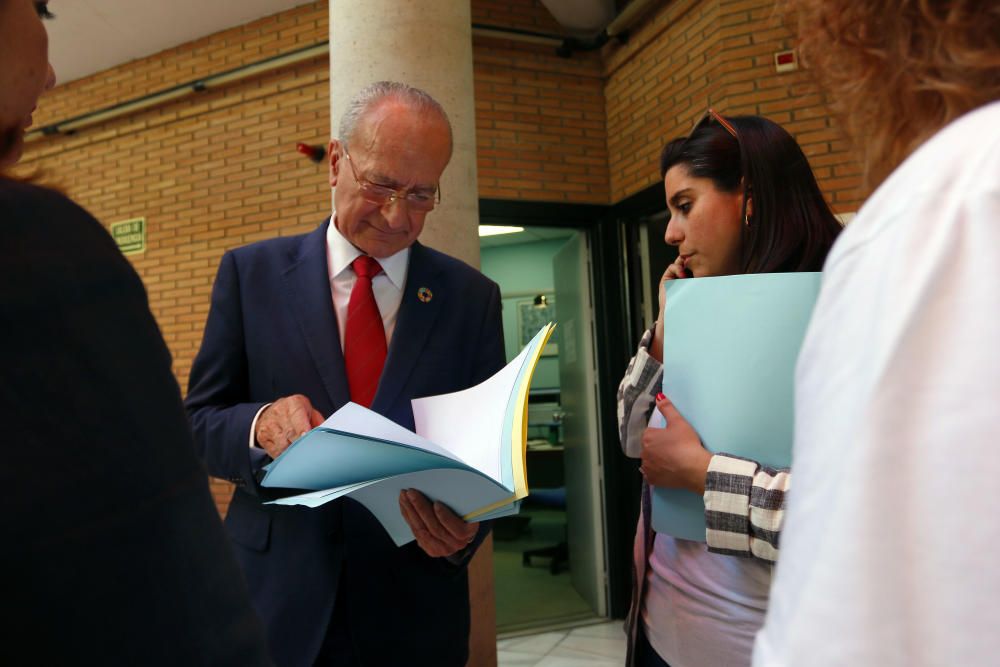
(253, 425)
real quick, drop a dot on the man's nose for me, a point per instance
(396, 212)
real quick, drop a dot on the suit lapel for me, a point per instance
(413, 325)
(307, 287)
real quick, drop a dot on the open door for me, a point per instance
(578, 388)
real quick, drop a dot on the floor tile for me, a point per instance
(610, 629)
(517, 659)
(596, 645)
(599, 647)
(552, 660)
(539, 644)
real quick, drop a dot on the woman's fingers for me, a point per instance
(675, 270)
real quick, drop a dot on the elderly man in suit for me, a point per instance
(356, 310)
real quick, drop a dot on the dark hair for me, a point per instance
(792, 227)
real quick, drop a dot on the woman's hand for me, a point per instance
(673, 456)
(674, 270)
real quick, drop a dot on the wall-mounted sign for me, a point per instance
(786, 61)
(130, 235)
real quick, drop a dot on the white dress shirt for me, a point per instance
(387, 286)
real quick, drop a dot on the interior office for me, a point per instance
(621, 246)
(531, 556)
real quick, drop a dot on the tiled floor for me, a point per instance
(601, 645)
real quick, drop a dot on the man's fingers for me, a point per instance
(291, 416)
(416, 523)
(458, 529)
(300, 416)
(414, 513)
(419, 502)
(428, 516)
(425, 538)
(452, 536)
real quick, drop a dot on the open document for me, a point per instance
(730, 344)
(468, 452)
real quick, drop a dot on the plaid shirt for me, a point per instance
(744, 501)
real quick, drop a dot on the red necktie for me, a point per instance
(364, 335)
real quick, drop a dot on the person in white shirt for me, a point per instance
(891, 533)
(742, 199)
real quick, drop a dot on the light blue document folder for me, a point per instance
(730, 344)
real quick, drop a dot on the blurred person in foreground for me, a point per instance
(113, 551)
(890, 540)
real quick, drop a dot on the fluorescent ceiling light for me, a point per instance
(494, 230)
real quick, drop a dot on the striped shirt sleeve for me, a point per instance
(744, 501)
(637, 397)
(744, 507)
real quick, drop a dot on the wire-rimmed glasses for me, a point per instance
(420, 199)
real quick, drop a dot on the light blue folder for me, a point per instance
(729, 350)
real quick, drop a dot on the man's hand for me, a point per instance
(439, 531)
(283, 421)
(673, 456)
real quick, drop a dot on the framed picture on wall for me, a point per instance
(532, 315)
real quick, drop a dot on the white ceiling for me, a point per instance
(88, 36)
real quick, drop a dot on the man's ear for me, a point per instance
(333, 153)
(749, 205)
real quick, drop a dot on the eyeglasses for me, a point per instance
(418, 200)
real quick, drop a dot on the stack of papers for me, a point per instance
(468, 452)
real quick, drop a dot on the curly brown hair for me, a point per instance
(899, 70)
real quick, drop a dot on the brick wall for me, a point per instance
(218, 169)
(540, 126)
(210, 172)
(694, 53)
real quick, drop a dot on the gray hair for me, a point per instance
(369, 97)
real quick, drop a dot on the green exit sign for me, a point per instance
(130, 235)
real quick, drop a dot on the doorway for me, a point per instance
(550, 560)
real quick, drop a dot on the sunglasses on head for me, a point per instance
(712, 115)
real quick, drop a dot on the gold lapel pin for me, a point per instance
(424, 294)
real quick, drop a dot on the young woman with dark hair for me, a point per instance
(741, 199)
(767, 164)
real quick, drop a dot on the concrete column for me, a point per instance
(427, 44)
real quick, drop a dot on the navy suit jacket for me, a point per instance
(272, 332)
